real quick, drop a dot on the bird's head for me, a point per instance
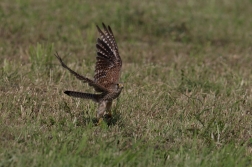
(119, 86)
(116, 88)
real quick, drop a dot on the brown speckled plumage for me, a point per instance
(107, 73)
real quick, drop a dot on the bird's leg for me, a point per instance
(108, 109)
(101, 110)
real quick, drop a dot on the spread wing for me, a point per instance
(94, 97)
(82, 78)
(109, 63)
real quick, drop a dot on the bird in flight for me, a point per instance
(107, 74)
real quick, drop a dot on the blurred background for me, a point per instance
(146, 31)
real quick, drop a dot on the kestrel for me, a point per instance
(107, 73)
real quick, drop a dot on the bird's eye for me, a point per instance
(119, 85)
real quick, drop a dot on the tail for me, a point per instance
(94, 97)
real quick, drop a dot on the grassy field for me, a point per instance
(187, 72)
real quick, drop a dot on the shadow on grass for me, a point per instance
(82, 119)
(110, 120)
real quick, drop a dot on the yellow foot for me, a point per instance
(99, 121)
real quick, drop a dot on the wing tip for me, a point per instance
(104, 26)
(56, 54)
(67, 92)
(97, 27)
(110, 30)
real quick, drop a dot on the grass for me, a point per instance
(186, 70)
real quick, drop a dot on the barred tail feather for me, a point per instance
(94, 97)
